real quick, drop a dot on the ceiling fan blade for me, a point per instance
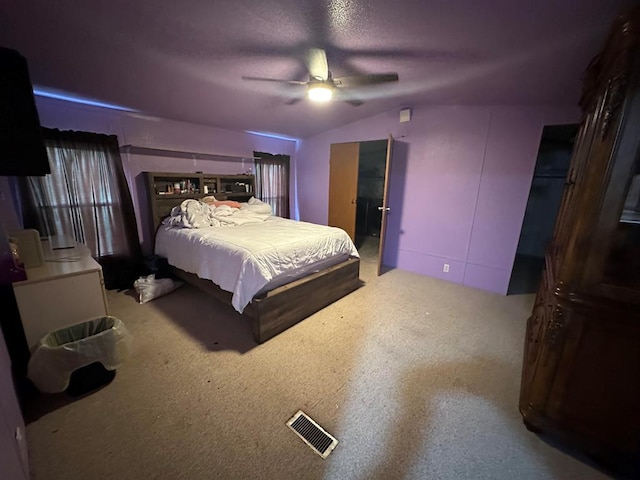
(317, 64)
(363, 80)
(293, 101)
(345, 96)
(276, 80)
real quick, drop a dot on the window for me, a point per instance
(272, 181)
(86, 196)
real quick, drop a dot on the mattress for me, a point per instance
(249, 259)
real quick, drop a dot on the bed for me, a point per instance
(272, 270)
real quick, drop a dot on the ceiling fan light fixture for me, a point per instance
(321, 84)
(320, 92)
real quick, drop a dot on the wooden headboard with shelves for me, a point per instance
(165, 190)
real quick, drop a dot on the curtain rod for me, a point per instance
(159, 152)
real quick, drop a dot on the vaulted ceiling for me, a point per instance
(185, 60)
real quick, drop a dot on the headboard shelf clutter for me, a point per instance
(165, 190)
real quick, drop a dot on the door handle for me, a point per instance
(386, 209)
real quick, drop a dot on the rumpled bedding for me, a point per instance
(195, 214)
(246, 258)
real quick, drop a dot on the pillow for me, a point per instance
(257, 206)
(228, 203)
(209, 199)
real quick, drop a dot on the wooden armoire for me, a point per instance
(581, 368)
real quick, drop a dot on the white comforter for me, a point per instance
(195, 214)
(242, 259)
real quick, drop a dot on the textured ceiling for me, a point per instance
(184, 59)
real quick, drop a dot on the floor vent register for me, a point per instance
(312, 434)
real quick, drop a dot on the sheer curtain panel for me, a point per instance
(272, 181)
(86, 196)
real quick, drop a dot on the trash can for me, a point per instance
(73, 354)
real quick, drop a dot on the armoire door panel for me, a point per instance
(582, 354)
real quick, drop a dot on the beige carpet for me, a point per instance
(416, 377)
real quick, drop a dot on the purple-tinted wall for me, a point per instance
(143, 131)
(459, 182)
(14, 463)
(458, 189)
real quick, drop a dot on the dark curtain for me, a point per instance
(272, 181)
(86, 196)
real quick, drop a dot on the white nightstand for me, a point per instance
(67, 289)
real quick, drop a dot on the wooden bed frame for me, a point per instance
(276, 310)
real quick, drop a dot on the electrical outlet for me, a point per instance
(445, 268)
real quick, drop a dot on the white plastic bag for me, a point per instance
(150, 287)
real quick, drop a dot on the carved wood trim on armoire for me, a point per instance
(580, 377)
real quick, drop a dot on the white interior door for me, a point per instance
(384, 209)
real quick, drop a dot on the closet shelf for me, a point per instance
(159, 152)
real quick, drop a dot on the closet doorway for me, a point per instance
(358, 185)
(545, 196)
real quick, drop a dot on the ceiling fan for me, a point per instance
(321, 84)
